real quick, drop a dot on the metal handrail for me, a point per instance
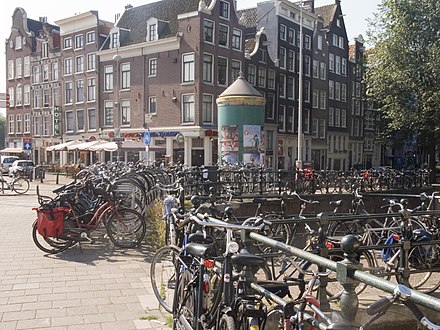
(374, 281)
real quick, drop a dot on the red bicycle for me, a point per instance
(77, 211)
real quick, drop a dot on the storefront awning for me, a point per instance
(11, 151)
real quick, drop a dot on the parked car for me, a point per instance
(25, 166)
(6, 162)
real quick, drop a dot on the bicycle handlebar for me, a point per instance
(207, 221)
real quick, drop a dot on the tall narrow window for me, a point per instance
(80, 120)
(188, 68)
(108, 113)
(152, 32)
(236, 39)
(188, 111)
(68, 92)
(261, 77)
(252, 72)
(207, 111)
(91, 61)
(91, 89)
(68, 66)
(91, 119)
(125, 75)
(152, 67)
(222, 70)
(208, 67)
(18, 68)
(79, 41)
(79, 61)
(223, 32)
(235, 69)
(208, 31)
(224, 9)
(79, 91)
(108, 78)
(152, 105)
(27, 123)
(125, 112)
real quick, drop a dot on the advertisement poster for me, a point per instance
(229, 144)
(251, 138)
(252, 158)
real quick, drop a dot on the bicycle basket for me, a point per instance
(50, 221)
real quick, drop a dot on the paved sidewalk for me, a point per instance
(86, 287)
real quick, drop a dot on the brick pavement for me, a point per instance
(92, 286)
(88, 287)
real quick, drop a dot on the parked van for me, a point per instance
(6, 163)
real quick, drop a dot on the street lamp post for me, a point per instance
(300, 88)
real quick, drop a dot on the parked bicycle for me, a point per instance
(77, 211)
(18, 184)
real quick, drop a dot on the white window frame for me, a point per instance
(188, 68)
(152, 67)
(188, 108)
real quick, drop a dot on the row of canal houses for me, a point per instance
(161, 67)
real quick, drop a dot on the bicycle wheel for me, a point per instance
(163, 275)
(420, 260)
(226, 322)
(20, 185)
(50, 245)
(274, 319)
(184, 302)
(126, 228)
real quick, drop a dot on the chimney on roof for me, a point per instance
(43, 19)
(128, 6)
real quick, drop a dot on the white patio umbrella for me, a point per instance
(85, 145)
(63, 146)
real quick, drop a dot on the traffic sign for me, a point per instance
(147, 138)
(27, 146)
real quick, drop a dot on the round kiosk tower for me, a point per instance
(241, 124)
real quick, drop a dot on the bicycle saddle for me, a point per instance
(244, 258)
(200, 250)
(199, 237)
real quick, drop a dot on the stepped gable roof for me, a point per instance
(135, 19)
(327, 12)
(241, 87)
(248, 16)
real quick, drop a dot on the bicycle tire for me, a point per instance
(184, 302)
(126, 228)
(425, 282)
(226, 322)
(274, 319)
(51, 245)
(20, 185)
(163, 275)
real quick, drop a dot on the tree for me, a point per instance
(404, 68)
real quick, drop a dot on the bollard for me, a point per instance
(349, 301)
(57, 177)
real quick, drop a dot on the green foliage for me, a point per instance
(2, 131)
(403, 67)
(155, 236)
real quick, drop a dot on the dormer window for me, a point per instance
(45, 50)
(224, 9)
(115, 39)
(152, 32)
